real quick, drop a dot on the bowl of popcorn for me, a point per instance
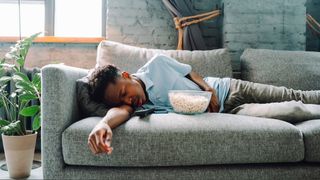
(189, 101)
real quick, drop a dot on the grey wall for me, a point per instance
(267, 24)
(313, 41)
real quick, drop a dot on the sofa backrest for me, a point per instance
(293, 69)
(215, 63)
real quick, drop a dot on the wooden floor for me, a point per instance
(35, 173)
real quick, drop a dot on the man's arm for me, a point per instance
(101, 136)
(196, 78)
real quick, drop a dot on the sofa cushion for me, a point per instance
(293, 69)
(216, 63)
(311, 136)
(175, 139)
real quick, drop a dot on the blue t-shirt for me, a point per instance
(163, 73)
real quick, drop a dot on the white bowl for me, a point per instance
(189, 101)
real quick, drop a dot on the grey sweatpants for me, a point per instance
(244, 92)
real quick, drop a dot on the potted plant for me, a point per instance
(15, 101)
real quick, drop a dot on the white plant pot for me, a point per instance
(19, 152)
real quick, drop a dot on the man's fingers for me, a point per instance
(93, 145)
(99, 144)
(92, 148)
(110, 151)
(102, 143)
(108, 139)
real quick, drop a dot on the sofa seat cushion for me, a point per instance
(311, 136)
(175, 139)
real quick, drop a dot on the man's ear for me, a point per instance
(125, 74)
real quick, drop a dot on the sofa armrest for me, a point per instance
(59, 109)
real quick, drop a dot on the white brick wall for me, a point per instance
(270, 24)
(147, 23)
(144, 23)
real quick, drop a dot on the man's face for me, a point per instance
(125, 90)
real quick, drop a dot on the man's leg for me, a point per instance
(242, 92)
(290, 111)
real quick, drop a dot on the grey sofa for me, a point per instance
(175, 146)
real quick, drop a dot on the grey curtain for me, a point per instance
(192, 37)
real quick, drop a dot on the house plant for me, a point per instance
(15, 101)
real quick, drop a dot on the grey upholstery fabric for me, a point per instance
(287, 171)
(174, 139)
(87, 106)
(215, 63)
(311, 136)
(59, 109)
(293, 69)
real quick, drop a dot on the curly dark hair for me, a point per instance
(100, 78)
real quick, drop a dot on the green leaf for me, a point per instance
(30, 111)
(20, 61)
(27, 97)
(19, 76)
(36, 80)
(19, 91)
(3, 88)
(5, 79)
(25, 86)
(15, 68)
(7, 65)
(13, 129)
(32, 37)
(36, 122)
(4, 122)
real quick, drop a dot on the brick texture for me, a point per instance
(142, 23)
(268, 24)
(148, 23)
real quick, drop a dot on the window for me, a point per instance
(60, 18)
(32, 17)
(80, 18)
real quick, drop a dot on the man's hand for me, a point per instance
(214, 103)
(100, 138)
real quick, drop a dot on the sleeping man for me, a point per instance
(149, 87)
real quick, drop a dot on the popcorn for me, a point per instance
(187, 103)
